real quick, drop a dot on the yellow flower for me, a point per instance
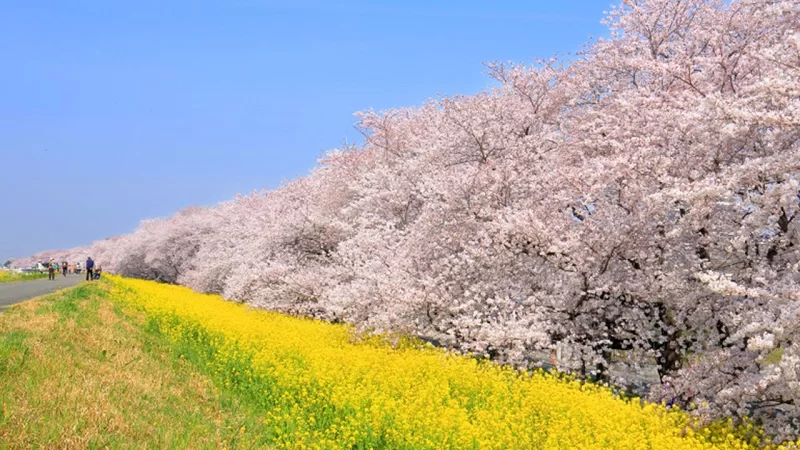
(320, 387)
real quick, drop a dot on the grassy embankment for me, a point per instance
(10, 277)
(79, 371)
(126, 363)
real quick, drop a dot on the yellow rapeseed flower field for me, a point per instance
(319, 387)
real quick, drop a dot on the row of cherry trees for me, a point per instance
(643, 198)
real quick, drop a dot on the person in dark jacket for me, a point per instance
(89, 269)
(64, 267)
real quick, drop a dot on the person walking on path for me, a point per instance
(51, 269)
(89, 269)
(64, 266)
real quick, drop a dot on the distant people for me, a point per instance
(78, 268)
(64, 267)
(51, 269)
(89, 269)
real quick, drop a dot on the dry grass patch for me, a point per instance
(76, 371)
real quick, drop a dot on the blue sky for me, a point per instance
(114, 112)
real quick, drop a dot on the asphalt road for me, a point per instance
(16, 292)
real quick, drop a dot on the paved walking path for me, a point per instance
(16, 292)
